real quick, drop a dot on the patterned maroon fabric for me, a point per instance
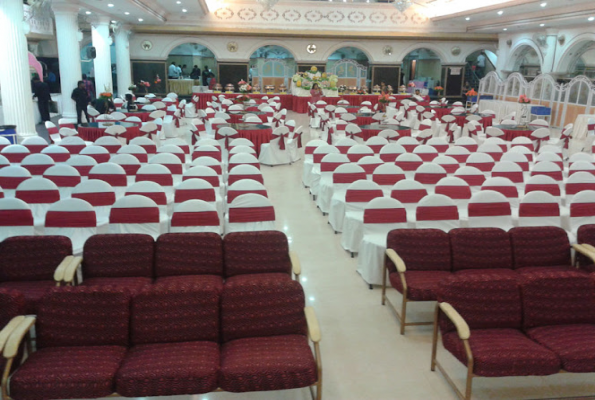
(117, 256)
(32, 258)
(256, 252)
(12, 304)
(557, 298)
(574, 345)
(421, 285)
(585, 234)
(210, 281)
(176, 312)
(167, 369)
(32, 291)
(484, 301)
(189, 254)
(542, 246)
(421, 249)
(134, 284)
(267, 363)
(503, 352)
(83, 316)
(479, 248)
(67, 373)
(258, 306)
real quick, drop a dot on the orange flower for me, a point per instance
(472, 92)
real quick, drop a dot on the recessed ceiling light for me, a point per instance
(505, 29)
(591, 19)
(88, 12)
(127, 13)
(110, 5)
(178, 2)
(543, 4)
(184, 10)
(113, 21)
(140, 20)
(467, 19)
(541, 24)
(500, 12)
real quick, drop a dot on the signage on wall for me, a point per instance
(146, 45)
(311, 48)
(455, 70)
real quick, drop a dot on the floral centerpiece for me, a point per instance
(383, 101)
(145, 85)
(361, 91)
(411, 84)
(438, 89)
(523, 99)
(306, 80)
(105, 95)
(471, 93)
(132, 88)
(157, 79)
(244, 88)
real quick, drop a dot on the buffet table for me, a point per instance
(256, 133)
(95, 130)
(580, 126)
(286, 99)
(182, 87)
(512, 131)
(373, 130)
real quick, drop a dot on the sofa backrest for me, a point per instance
(421, 249)
(118, 256)
(13, 304)
(585, 234)
(484, 300)
(175, 312)
(540, 246)
(480, 248)
(256, 252)
(557, 298)
(256, 306)
(84, 316)
(189, 254)
(32, 258)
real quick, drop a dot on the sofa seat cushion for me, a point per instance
(554, 269)
(503, 352)
(574, 344)
(421, 285)
(496, 272)
(166, 369)
(205, 281)
(250, 278)
(134, 284)
(590, 268)
(267, 363)
(68, 373)
(33, 291)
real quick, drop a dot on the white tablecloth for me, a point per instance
(501, 108)
(580, 126)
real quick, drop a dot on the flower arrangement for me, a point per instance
(306, 79)
(384, 98)
(471, 92)
(523, 99)
(243, 98)
(244, 87)
(362, 91)
(411, 84)
(132, 87)
(438, 89)
(106, 95)
(157, 79)
(145, 85)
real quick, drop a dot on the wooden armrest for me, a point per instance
(8, 329)
(16, 337)
(588, 247)
(457, 320)
(398, 261)
(296, 266)
(70, 272)
(313, 327)
(59, 273)
(585, 251)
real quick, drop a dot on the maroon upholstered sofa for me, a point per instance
(539, 323)
(418, 260)
(174, 337)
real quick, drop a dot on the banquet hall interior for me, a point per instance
(275, 199)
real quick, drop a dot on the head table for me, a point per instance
(256, 133)
(512, 131)
(373, 130)
(95, 130)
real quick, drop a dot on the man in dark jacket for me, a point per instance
(41, 90)
(205, 76)
(81, 99)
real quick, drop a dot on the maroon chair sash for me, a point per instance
(158, 197)
(36, 169)
(38, 196)
(483, 166)
(343, 149)
(115, 180)
(16, 218)
(175, 169)
(70, 219)
(427, 178)
(141, 157)
(409, 196)
(539, 140)
(215, 154)
(557, 175)
(389, 157)
(439, 213)
(233, 178)
(488, 209)
(329, 166)
(141, 215)
(471, 147)
(410, 147)
(100, 157)
(387, 179)
(35, 148)
(495, 155)
(227, 138)
(282, 138)
(539, 210)
(203, 218)
(582, 210)
(454, 192)
(376, 147)
(408, 165)
(298, 137)
(362, 196)
(473, 180)
(183, 195)
(64, 181)
(514, 176)
(251, 214)
(574, 188)
(15, 157)
(150, 148)
(232, 194)
(162, 179)
(461, 158)
(213, 180)
(508, 191)
(554, 190)
(385, 216)
(450, 168)
(440, 148)
(231, 166)
(131, 169)
(74, 148)
(427, 157)
(355, 157)
(370, 168)
(112, 148)
(348, 177)
(591, 171)
(99, 199)
(309, 150)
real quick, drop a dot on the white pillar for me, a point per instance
(103, 62)
(549, 53)
(503, 50)
(15, 80)
(69, 53)
(123, 68)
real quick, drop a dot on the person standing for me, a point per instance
(480, 65)
(81, 99)
(41, 90)
(89, 87)
(205, 76)
(172, 71)
(316, 93)
(195, 74)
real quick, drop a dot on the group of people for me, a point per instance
(177, 72)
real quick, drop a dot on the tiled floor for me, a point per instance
(364, 357)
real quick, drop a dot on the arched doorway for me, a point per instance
(479, 64)
(271, 65)
(351, 65)
(526, 61)
(194, 59)
(583, 60)
(422, 67)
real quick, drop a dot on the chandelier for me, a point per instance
(402, 5)
(268, 4)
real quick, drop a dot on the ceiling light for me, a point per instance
(500, 12)
(467, 19)
(543, 4)
(178, 2)
(505, 29)
(541, 24)
(591, 19)
(402, 5)
(127, 13)
(184, 10)
(113, 21)
(110, 5)
(140, 20)
(88, 12)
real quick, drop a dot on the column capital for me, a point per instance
(65, 7)
(124, 29)
(98, 20)
(552, 32)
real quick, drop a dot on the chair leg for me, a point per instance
(403, 314)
